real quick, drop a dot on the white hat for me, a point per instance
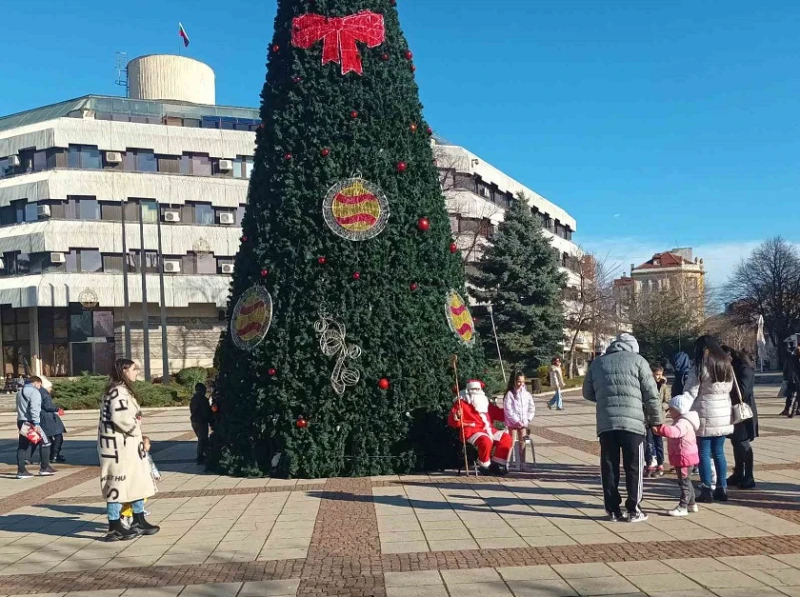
(682, 403)
(474, 384)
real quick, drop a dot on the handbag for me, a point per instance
(740, 412)
(29, 432)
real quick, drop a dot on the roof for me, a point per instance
(624, 281)
(124, 105)
(666, 259)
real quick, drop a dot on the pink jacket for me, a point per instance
(681, 440)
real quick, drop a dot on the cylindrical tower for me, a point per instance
(170, 77)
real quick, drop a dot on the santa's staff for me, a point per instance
(453, 361)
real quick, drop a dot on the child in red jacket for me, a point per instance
(682, 448)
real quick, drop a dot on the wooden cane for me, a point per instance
(453, 361)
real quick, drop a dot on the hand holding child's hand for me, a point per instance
(655, 429)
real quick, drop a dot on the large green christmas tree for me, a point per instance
(345, 306)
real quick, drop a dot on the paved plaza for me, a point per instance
(540, 533)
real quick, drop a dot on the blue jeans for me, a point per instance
(557, 401)
(712, 448)
(114, 509)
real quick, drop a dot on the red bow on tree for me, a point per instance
(339, 35)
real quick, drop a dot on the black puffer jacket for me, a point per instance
(51, 422)
(746, 377)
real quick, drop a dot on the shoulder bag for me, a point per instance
(740, 411)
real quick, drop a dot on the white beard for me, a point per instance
(480, 401)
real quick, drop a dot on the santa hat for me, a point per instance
(475, 384)
(682, 403)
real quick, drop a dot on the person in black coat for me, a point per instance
(200, 412)
(51, 423)
(791, 375)
(746, 431)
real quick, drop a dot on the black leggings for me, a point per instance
(743, 460)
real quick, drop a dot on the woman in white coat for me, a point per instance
(124, 468)
(709, 384)
(519, 411)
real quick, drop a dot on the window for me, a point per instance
(149, 211)
(111, 211)
(140, 160)
(112, 264)
(243, 166)
(18, 263)
(197, 164)
(169, 164)
(198, 213)
(84, 156)
(57, 208)
(240, 214)
(199, 264)
(150, 262)
(31, 212)
(90, 261)
(87, 208)
(454, 224)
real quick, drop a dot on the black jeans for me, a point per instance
(201, 431)
(55, 448)
(743, 460)
(632, 447)
(24, 446)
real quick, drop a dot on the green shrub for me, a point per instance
(543, 373)
(86, 393)
(191, 376)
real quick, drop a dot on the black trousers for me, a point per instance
(201, 431)
(631, 446)
(24, 446)
(55, 448)
(743, 460)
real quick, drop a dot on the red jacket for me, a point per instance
(475, 422)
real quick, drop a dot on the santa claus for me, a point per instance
(473, 411)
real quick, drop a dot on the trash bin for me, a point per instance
(536, 386)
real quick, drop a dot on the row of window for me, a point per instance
(89, 157)
(205, 122)
(93, 261)
(89, 208)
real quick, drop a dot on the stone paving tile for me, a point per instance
(541, 588)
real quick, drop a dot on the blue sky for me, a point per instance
(653, 123)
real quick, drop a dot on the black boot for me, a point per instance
(720, 494)
(144, 527)
(734, 480)
(484, 471)
(705, 496)
(748, 481)
(117, 532)
(498, 470)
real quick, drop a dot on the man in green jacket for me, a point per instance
(621, 384)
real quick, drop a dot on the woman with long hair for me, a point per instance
(125, 471)
(557, 382)
(745, 431)
(709, 385)
(519, 411)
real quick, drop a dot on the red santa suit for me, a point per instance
(478, 415)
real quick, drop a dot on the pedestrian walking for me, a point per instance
(745, 431)
(519, 412)
(29, 412)
(200, 415)
(791, 376)
(682, 448)
(125, 471)
(51, 423)
(621, 384)
(557, 382)
(709, 385)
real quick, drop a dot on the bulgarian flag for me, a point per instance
(182, 33)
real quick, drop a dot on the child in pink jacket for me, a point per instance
(682, 448)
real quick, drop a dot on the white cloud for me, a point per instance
(720, 259)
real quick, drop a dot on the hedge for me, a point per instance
(86, 392)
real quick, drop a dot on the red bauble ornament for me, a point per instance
(423, 224)
(453, 247)
(264, 273)
(276, 48)
(244, 239)
(402, 166)
(325, 152)
(429, 130)
(301, 423)
(272, 371)
(287, 156)
(409, 55)
(393, 2)
(322, 260)
(296, 79)
(356, 276)
(385, 57)
(413, 68)
(354, 114)
(214, 408)
(413, 127)
(383, 384)
(414, 286)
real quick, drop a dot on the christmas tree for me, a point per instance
(519, 275)
(346, 302)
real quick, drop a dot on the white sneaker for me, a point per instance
(637, 516)
(678, 511)
(694, 508)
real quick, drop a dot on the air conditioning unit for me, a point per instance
(58, 258)
(227, 268)
(13, 161)
(225, 165)
(226, 218)
(43, 211)
(172, 266)
(113, 157)
(172, 216)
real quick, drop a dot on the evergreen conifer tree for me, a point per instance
(519, 276)
(346, 262)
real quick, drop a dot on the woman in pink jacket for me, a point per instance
(682, 448)
(519, 411)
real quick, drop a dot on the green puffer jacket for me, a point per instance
(622, 385)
